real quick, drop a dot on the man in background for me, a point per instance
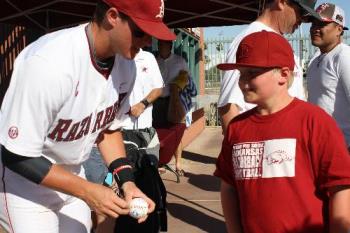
(169, 109)
(280, 16)
(328, 75)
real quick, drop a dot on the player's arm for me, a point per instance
(137, 109)
(230, 206)
(227, 113)
(344, 73)
(339, 209)
(112, 150)
(344, 76)
(41, 171)
(230, 98)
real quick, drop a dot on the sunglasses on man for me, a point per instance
(135, 30)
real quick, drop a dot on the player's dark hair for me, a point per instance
(268, 3)
(100, 11)
(123, 16)
(265, 4)
(169, 42)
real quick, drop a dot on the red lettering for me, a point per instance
(115, 109)
(61, 127)
(108, 114)
(85, 126)
(98, 121)
(73, 132)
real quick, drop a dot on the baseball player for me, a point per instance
(280, 16)
(284, 166)
(65, 92)
(136, 122)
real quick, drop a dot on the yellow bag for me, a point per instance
(181, 80)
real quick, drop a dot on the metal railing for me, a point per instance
(215, 51)
(12, 40)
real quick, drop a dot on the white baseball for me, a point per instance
(138, 208)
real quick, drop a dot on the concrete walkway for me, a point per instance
(194, 204)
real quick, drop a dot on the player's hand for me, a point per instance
(131, 191)
(104, 201)
(137, 109)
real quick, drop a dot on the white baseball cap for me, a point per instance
(332, 13)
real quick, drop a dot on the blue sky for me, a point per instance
(230, 31)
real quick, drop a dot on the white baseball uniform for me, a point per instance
(57, 103)
(230, 91)
(148, 77)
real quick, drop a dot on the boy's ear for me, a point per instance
(285, 75)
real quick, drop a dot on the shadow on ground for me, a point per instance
(203, 181)
(198, 157)
(196, 218)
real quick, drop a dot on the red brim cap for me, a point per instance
(234, 66)
(227, 66)
(156, 29)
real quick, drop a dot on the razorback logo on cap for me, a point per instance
(339, 18)
(161, 10)
(243, 51)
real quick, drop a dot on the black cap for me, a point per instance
(308, 6)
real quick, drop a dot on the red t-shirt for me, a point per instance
(282, 165)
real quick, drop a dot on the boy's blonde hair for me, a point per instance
(290, 78)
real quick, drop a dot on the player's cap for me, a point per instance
(329, 12)
(147, 15)
(308, 7)
(263, 50)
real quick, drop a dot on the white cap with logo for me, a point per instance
(332, 13)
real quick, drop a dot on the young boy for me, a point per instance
(284, 164)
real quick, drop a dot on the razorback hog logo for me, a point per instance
(161, 10)
(67, 130)
(339, 18)
(277, 157)
(243, 51)
(13, 132)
